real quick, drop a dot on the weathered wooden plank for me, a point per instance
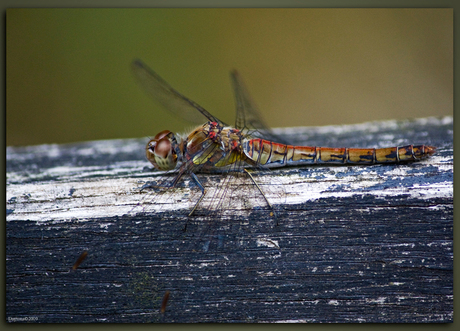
(352, 244)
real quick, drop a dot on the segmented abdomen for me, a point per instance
(265, 152)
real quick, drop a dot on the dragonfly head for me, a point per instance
(161, 151)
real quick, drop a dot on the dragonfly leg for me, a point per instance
(155, 186)
(203, 192)
(147, 185)
(272, 213)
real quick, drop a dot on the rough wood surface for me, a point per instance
(352, 244)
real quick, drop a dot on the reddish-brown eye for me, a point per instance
(161, 135)
(161, 151)
(163, 147)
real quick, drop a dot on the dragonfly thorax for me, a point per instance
(162, 151)
(213, 145)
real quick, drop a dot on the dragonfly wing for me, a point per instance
(247, 114)
(158, 89)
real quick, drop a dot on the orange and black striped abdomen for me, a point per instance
(265, 152)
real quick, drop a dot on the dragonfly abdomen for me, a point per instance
(268, 153)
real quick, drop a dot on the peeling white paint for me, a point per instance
(267, 242)
(379, 300)
(89, 198)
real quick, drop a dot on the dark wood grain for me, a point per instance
(352, 244)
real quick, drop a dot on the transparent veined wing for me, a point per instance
(247, 115)
(158, 89)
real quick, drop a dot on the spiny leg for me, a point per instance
(272, 213)
(203, 192)
(148, 185)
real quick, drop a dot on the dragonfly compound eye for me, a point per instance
(160, 151)
(161, 135)
(163, 148)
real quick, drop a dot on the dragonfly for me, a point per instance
(249, 144)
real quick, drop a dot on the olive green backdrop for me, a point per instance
(68, 70)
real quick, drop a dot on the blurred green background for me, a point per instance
(68, 70)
